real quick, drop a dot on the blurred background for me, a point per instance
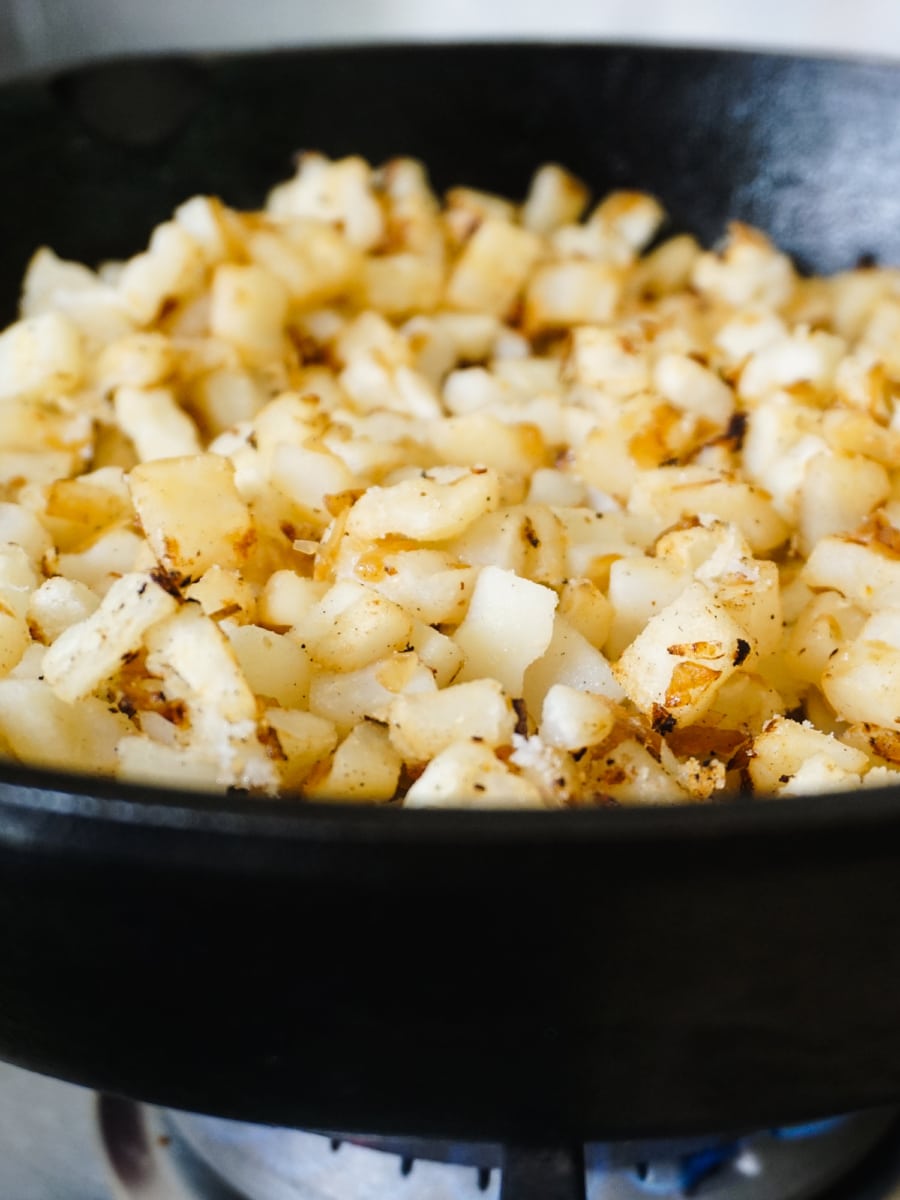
(36, 33)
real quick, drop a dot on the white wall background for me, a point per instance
(39, 32)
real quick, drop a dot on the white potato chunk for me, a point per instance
(172, 268)
(249, 309)
(304, 739)
(825, 626)
(42, 729)
(287, 598)
(354, 626)
(40, 357)
(365, 769)
(469, 775)
(493, 268)
(694, 388)
(140, 759)
(424, 509)
(673, 493)
(348, 697)
(604, 359)
(675, 666)
(108, 558)
(562, 294)
(572, 719)
(274, 666)
(554, 198)
(786, 750)
(156, 424)
(90, 652)
(424, 725)
(57, 604)
(838, 492)
(639, 587)
(139, 360)
(862, 681)
(569, 659)
(865, 574)
(192, 514)
(630, 775)
(496, 647)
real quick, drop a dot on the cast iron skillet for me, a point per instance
(516, 976)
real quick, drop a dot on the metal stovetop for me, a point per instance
(51, 1148)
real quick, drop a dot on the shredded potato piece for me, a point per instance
(367, 497)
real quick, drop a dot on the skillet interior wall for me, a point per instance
(804, 148)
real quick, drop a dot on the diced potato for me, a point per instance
(493, 268)
(402, 284)
(105, 560)
(494, 646)
(172, 268)
(274, 666)
(90, 652)
(634, 217)
(249, 309)
(191, 652)
(749, 271)
(19, 526)
(810, 358)
(309, 476)
(823, 628)
(586, 609)
(604, 359)
(674, 493)
(57, 604)
(311, 258)
(304, 739)
(867, 574)
(42, 729)
(694, 388)
(140, 759)
(838, 492)
(338, 192)
(862, 681)
(353, 626)
(480, 440)
(561, 294)
(157, 425)
(527, 539)
(424, 509)
(422, 726)
(469, 775)
(572, 719)
(790, 753)
(675, 666)
(214, 528)
(639, 587)
(569, 659)
(224, 398)
(40, 357)
(554, 198)
(224, 595)
(431, 585)
(139, 360)
(365, 768)
(630, 775)
(287, 598)
(347, 697)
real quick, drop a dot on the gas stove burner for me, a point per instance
(157, 1154)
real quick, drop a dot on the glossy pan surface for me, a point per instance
(520, 976)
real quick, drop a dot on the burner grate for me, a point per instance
(157, 1154)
